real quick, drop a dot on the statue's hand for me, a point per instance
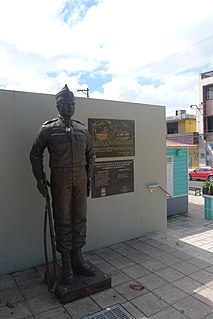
(89, 185)
(42, 188)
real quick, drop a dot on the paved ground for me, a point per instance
(173, 274)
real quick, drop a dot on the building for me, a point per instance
(181, 128)
(177, 177)
(205, 118)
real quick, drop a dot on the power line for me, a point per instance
(171, 55)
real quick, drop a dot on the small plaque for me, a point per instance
(113, 177)
(112, 138)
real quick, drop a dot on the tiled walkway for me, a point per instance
(172, 282)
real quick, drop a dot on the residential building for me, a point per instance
(181, 128)
(205, 118)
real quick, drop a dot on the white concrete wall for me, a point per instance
(110, 219)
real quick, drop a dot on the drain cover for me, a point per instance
(115, 312)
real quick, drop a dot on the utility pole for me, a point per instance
(85, 91)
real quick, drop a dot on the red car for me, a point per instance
(201, 173)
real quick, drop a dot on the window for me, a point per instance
(196, 156)
(172, 128)
(210, 123)
(209, 93)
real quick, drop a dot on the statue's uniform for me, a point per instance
(71, 160)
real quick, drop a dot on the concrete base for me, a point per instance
(81, 287)
(177, 205)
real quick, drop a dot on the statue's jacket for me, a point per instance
(69, 147)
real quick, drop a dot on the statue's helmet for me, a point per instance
(65, 94)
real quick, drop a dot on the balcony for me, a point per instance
(206, 75)
(185, 138)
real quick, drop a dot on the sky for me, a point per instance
(149, 52)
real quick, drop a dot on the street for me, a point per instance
(196, 183)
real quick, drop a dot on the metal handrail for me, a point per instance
(151, 187)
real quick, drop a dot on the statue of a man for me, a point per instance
(71, 160)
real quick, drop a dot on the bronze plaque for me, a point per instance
(113, 177)
(112, 138)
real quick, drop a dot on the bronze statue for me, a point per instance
(71, 161)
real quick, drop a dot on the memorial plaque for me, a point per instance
(112, 138)
(113, 177)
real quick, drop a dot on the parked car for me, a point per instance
(201, 173)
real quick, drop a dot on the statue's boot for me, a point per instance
(79, 265)
(67, 272)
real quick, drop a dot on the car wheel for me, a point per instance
(190, 178)
(210, 178)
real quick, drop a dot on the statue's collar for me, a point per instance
(64, 122)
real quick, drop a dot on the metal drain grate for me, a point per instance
(115, 312)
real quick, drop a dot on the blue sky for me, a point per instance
(141, 51)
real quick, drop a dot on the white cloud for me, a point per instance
(139, 43)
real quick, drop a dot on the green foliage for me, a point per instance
(207, 185)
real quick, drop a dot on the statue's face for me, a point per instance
(66, 107)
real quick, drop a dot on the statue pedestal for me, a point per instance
(81, 287)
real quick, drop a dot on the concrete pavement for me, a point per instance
(154, 276)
